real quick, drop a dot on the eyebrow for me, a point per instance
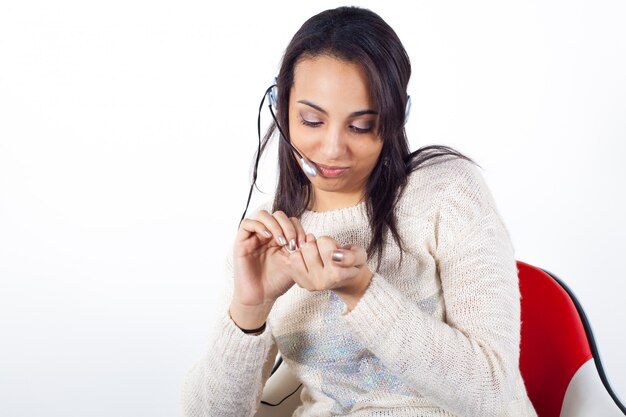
(354, 114)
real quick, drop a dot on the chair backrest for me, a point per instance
(553, 340)
(559, 361)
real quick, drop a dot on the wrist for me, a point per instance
(253, 332)
(248, 317)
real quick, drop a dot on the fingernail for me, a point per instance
(282, 241)
(292, 245)
(337, 256)
(300, 243)
(267, 233)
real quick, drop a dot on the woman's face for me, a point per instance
(333, 122)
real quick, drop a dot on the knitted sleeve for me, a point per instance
(468, 363)
(228, 380)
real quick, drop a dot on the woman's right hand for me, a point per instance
(260, 253)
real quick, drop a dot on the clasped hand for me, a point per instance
(272, 252)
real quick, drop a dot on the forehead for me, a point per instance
(330, 81)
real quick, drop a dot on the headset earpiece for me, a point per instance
(273, 94)
(407, 110)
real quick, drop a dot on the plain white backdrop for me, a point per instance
(127, 131)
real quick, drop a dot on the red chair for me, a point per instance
(559, 360)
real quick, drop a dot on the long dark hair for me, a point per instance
(356, 35)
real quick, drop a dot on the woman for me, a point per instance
(387, 281)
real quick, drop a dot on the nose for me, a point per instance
(333, 146)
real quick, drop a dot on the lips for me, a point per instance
(331, 171)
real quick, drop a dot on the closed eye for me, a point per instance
(353, 128)
(360, 130)
(308, 123)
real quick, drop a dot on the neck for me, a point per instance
(326, 201)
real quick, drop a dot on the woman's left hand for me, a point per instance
(321, 264)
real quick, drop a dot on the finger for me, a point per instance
(349, 256)
(300, 233)
(249, 227)
(272, 224)
(326, 245)
(289, 230)
(311, 255)
(298, 267)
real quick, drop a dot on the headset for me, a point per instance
(308, 167)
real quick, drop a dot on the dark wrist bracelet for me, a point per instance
(259, 330)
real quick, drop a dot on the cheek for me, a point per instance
(302, 137)
(367, 157)
(372, 151)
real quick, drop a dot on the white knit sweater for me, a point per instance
(434, 335)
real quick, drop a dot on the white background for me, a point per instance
(127, 130)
